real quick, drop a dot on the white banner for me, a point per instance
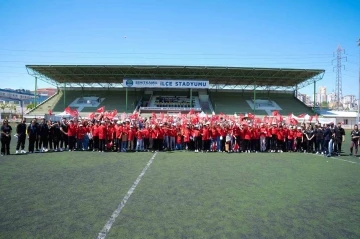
(184, 84)
(170, 108)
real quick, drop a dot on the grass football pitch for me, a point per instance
(181, 195)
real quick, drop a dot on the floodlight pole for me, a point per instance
(358, 114)
(254, 101)
(314, 96)
(35, 92)
(64, 95)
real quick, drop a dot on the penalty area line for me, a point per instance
(103, 233)
(340, 159)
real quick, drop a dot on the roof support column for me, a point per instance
(296, 91)
(35, 93)
(126, 98)
(314, 96)
(254, 101)
(191, 98)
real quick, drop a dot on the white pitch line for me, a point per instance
(103, 233)
(344, 160)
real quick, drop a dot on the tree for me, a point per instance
(3, 106)
(30, 106)
(324, 104)
(12, 107)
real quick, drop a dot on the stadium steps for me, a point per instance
(232, 102)
(290, 104)
(43, 108)
(112, 100)
(235, 102)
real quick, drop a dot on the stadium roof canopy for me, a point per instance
(218, 77)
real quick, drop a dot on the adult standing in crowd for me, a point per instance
(32, 133)
(355, 135)
(44, 134)
(5, 138)
(339, 138)
(21, 134)
(64, 136)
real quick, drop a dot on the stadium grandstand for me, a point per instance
(173, 89)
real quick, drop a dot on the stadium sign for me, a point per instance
(185, 84)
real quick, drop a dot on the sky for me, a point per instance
(258, 33)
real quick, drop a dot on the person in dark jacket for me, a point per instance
(319, 139)
(327, 138)
(5, 138)
(64, 137)
(56, 135)
(37, 140)
(32, 133)
(21, 135)
(339, 138)
(44, 134)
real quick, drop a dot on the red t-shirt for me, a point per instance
(205, 134)
(81, 133)
(291, 134)
(146, 133)
(263, 131)
(102, 132)
(280, 135)
(72, 130)
(160, 133)
(131, 134)
(196, 133)
(139, 134)
(110, 132)
(274, 130)
(178, 139)
(118, 131)
(95, 131)
(247, 134)
(187, 135)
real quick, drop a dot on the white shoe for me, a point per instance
(23, 151)
(17, 152)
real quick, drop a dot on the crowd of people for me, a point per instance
(149, 134)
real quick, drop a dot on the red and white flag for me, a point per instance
(101, 109)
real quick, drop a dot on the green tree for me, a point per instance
(324, 104)
(12, 108)
(3, 106)
(30, 106)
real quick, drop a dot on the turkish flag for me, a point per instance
(67, 110)
(251, 116)
(301, 116)
(74, 113)
(275, 113)
(114, 113)
(101, 109)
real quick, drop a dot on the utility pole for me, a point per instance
(338, 81)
